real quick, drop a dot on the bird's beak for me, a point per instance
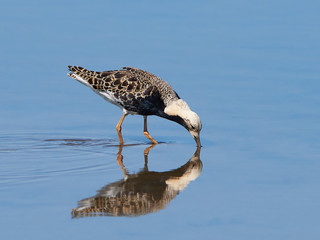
(196, 138)
(198, 141)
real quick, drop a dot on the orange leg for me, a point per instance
(118, 127)
(145, 131)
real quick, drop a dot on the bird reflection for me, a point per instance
(141, 193)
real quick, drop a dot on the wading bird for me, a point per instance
(139, 92)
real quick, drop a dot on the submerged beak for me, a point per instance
(196, 138)
(198, 141)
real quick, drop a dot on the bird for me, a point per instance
(138, 92)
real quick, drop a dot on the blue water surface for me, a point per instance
(250, 69)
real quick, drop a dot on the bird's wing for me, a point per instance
(124, 81)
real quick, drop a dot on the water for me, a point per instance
(249, 69)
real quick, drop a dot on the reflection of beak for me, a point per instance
(196, 155)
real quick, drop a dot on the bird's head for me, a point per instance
(187, 118)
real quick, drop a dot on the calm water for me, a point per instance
(250, 69)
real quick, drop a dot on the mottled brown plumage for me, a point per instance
(135, 90)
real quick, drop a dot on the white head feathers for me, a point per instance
(180, 108)
(177, 108)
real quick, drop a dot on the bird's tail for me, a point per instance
(86, 77)
(77, 71)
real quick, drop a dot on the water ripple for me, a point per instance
(29, 158)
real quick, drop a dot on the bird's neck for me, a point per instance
(176, 119)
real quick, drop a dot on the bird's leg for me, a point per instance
(145, 131)
(118, 127)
